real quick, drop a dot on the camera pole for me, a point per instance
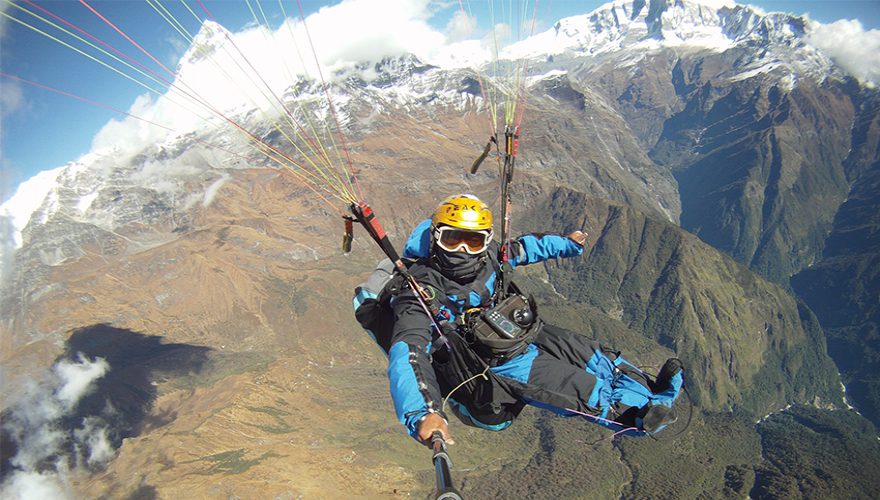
(442, 464)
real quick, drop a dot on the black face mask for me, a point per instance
(459, 266)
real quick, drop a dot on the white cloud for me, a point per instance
(29, 196)
(35, 425)
(4, 22)
(34, 486)
(212, 190)
(130, 135)
(12, 101)
(78, 379)
(251, 67)
(342, 36)
(459, 27)
(95, 435)
(373, 29)
(853, 48)
(12, 97)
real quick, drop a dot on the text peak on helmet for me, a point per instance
(462, 223)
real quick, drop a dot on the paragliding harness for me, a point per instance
(488, 398)
(462, 355)
(506, 329)
(486, 338)
(643, 405)
(503, 331)
(465, 350)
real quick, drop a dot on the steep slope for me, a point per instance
(760, 168)
(843, 287)
(765, 145)
(758, 158)
(745, 341)
(218, 294)
(784, 473)
(754, 123)
(283, 394)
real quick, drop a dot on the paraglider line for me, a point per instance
(280, 171)
(327, 93)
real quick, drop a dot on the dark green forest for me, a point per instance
(744, 440)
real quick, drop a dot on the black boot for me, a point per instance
(669, 370)
(656, 417)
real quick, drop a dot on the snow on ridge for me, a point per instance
(716, 4)
(466, 54)
(209, 38)
(73, 188)
(617, 25)
(27, 199)
(808, 49)
(713, 24)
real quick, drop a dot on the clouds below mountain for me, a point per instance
(853, 48)
(45, 450)
(223, 71)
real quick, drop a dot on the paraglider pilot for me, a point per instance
(494, 354)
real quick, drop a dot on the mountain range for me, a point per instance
(177, 322)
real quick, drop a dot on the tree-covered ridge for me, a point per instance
(652, 290)
(844, 287)
(809, 453)
(745, 341)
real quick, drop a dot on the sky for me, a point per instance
(41, 130)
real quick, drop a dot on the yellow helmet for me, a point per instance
(464, 211)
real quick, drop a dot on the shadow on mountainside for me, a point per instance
(101, 391)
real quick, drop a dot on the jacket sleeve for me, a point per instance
(414, 387)
(536, 248)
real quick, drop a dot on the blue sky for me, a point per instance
(42, 130)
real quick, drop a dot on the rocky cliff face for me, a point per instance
(217, 296)
(747, 343)
(842, 287)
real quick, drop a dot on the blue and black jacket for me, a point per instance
(414, 385)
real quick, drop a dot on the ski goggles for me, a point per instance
(453, 239)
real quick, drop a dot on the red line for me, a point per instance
(126, 36)
(97, 40)
(287, 111)
(206, 10)
(198, 98)
(284, 172)
(263, 146)
(305, 134)
(329, 101)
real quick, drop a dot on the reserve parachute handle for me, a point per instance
(363, 214)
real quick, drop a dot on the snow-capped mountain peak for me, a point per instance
(622, 30)
(643, 24)
(209, 39)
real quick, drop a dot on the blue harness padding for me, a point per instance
(614, 387)
(603, 368)
(625, 390)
